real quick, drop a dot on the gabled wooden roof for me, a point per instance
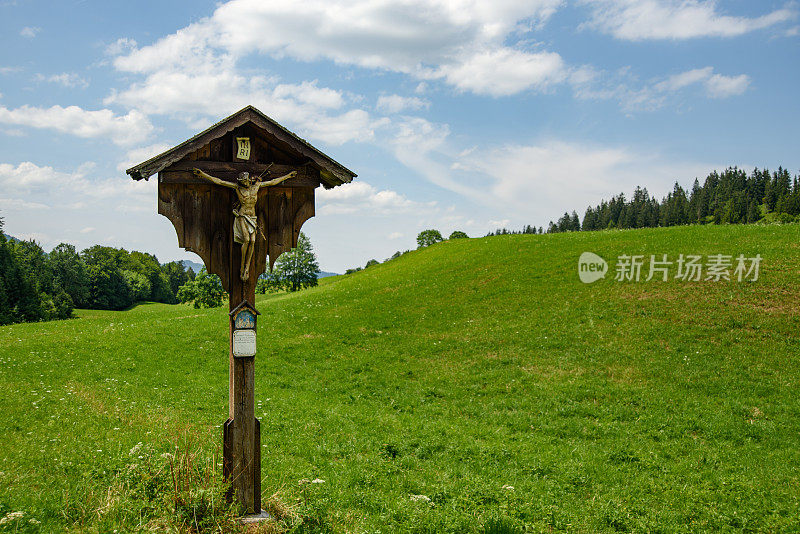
(332, 173)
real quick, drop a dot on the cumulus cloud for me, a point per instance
(216, 88)
(462, 41)
(134, 127)
(505, 72)
(638, 20)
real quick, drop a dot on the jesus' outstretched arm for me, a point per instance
(276, 181)
(212, 179)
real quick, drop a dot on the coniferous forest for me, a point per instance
(730, 197)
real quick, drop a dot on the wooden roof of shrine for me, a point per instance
(331, 173)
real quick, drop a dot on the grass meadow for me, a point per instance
(474, 386)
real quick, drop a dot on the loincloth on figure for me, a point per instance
(249, 223)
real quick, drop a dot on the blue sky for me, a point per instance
(456, 114)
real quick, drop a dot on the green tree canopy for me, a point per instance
(298, 268)
(108, 289)
(458, 234)
(427, 238)
(69, 274)
(205, 291)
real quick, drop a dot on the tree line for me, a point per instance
(729, 197)
(425, 238)
(36, 285)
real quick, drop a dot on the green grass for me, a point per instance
(450, 373)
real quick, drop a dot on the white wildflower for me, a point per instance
(317, 481)
(423, 498)
(507, 487)
(136, 448)
(11, 516)
(33, 521)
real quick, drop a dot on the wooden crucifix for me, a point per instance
(237, 194)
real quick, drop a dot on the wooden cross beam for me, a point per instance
(180, 173)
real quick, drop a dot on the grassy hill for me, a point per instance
(475, 386)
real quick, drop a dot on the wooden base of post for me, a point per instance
(255, 472)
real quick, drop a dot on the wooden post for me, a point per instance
(241, 447)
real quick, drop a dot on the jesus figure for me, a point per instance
(245, 221)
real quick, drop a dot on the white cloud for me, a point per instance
(67, 79)
(541, 181)
(719, 86)
(505, 72)
(457, 40)
(87, 207)
(30, 31)
(382, 34)
(217, 89)
(716, 85)
(18, 203)
(395, 235)
(309, 93)
(637, 20)
(419, 134)
(140, 155)
(120, 46)
(71, 190)
(121, 129)
(683, 79)
(363, 197)
(397, 103)
(633, 97)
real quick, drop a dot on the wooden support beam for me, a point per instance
(182, 174)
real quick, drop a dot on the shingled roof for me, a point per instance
(332, 173)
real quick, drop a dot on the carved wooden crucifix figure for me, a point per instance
(245, 224)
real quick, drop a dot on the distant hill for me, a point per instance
(197, 266)
(193, 265)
